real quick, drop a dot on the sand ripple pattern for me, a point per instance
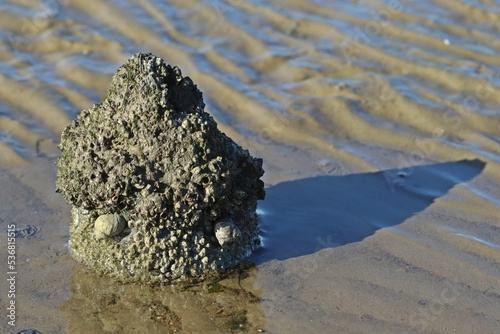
(309, 74)
(321, 87)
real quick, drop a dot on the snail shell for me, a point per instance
(226, 232)
(109, 225)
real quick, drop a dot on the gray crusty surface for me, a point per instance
(151, 154)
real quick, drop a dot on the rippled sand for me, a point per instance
(379, 126)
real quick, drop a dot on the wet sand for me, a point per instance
(379, 127)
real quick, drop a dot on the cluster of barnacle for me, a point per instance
(159, 193)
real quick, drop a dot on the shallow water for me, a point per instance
(379, 126)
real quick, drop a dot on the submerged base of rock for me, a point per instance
(158, 192)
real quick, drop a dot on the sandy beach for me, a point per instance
(379, 126)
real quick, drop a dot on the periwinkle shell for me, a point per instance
(109, 225)
(226, 232)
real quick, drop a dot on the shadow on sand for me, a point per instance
(302, 216)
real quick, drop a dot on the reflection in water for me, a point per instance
(103, 305)
(304, 216)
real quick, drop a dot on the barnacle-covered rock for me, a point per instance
(150, 155)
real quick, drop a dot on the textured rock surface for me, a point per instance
(151, 154)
